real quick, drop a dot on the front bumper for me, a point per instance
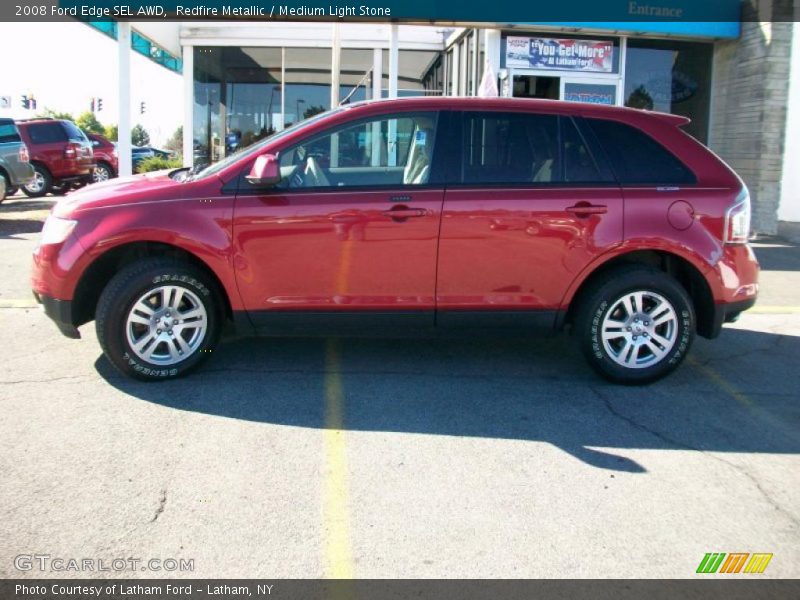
(60, 311)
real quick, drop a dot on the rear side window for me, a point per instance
(508, 148)
(74, 134)
(46, 133)
(637, 158)
(8, 132)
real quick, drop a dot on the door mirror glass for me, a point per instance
(265, 171)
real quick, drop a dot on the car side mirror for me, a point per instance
(265, 171)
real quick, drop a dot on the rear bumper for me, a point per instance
(60, 311)
(21, 174)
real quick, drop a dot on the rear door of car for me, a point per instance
(347, 241)
(530, 207)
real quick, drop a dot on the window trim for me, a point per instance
(639, 184)
(435, 180)
(457, 174)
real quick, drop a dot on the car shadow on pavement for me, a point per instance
(735, 394)
(11, 227)
(776, 254)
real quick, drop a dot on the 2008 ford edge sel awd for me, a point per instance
(425, 215)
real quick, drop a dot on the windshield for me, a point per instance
(255, 149)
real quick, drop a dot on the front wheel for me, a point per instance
(636, 325)
(158, 319)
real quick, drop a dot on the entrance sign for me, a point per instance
(591, 56)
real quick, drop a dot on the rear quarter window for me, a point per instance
(73, 133)
(8, 132)
(46, 133)
(637, 158)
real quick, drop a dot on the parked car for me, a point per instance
(139, 153)
(499, 216)
(60, 154)
(105, 156)
(15, 167)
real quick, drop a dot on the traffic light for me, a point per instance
(142, 107)
(91, 105)
(33, 102)
(26, 103)
(99, 104)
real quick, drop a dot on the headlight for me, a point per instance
(56, 230)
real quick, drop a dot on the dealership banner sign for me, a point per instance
(560, 54)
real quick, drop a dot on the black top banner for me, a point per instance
(518, 12)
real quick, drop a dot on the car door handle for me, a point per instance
(584, 209)
(401, 213)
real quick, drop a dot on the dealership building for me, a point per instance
(738, 82)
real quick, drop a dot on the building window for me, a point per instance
(671, 76)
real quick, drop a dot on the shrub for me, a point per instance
(156, 163)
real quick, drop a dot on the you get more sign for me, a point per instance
(560, 54)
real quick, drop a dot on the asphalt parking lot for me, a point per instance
(373, 459)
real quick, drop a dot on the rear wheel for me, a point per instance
(40, 184)
(636, 325)
(158, 319)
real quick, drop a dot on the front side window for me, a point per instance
(637, 158)
(385, 151)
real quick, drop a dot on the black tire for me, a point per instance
(46, 185)
(601, 298)
(126, 288)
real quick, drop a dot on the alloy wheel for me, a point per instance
(639, 329)
(166, 325)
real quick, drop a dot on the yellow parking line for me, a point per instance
(18, 303)
(743, 399)
(338, 551)
(774, 310)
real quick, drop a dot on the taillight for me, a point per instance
(71, 151)
(737, 219)
(23, 154)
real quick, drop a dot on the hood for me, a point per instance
(147, 187)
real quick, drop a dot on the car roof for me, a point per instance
(516, 104)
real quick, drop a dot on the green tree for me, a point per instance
(175, 142)
(139, 136)
(313, 110)
(112, 132)
(88, 122)
(640, 98)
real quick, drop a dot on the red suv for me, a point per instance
(105, 157)
(60, 154)
(424, 215)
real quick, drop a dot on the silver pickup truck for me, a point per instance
(15, 169)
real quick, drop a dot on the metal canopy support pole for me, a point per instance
(393, 68)
(377, 93)
(188, 106)
(393, 61)
(124, 97)
(336, 62)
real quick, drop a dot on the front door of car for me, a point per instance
(351, 228)
(530, 209)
